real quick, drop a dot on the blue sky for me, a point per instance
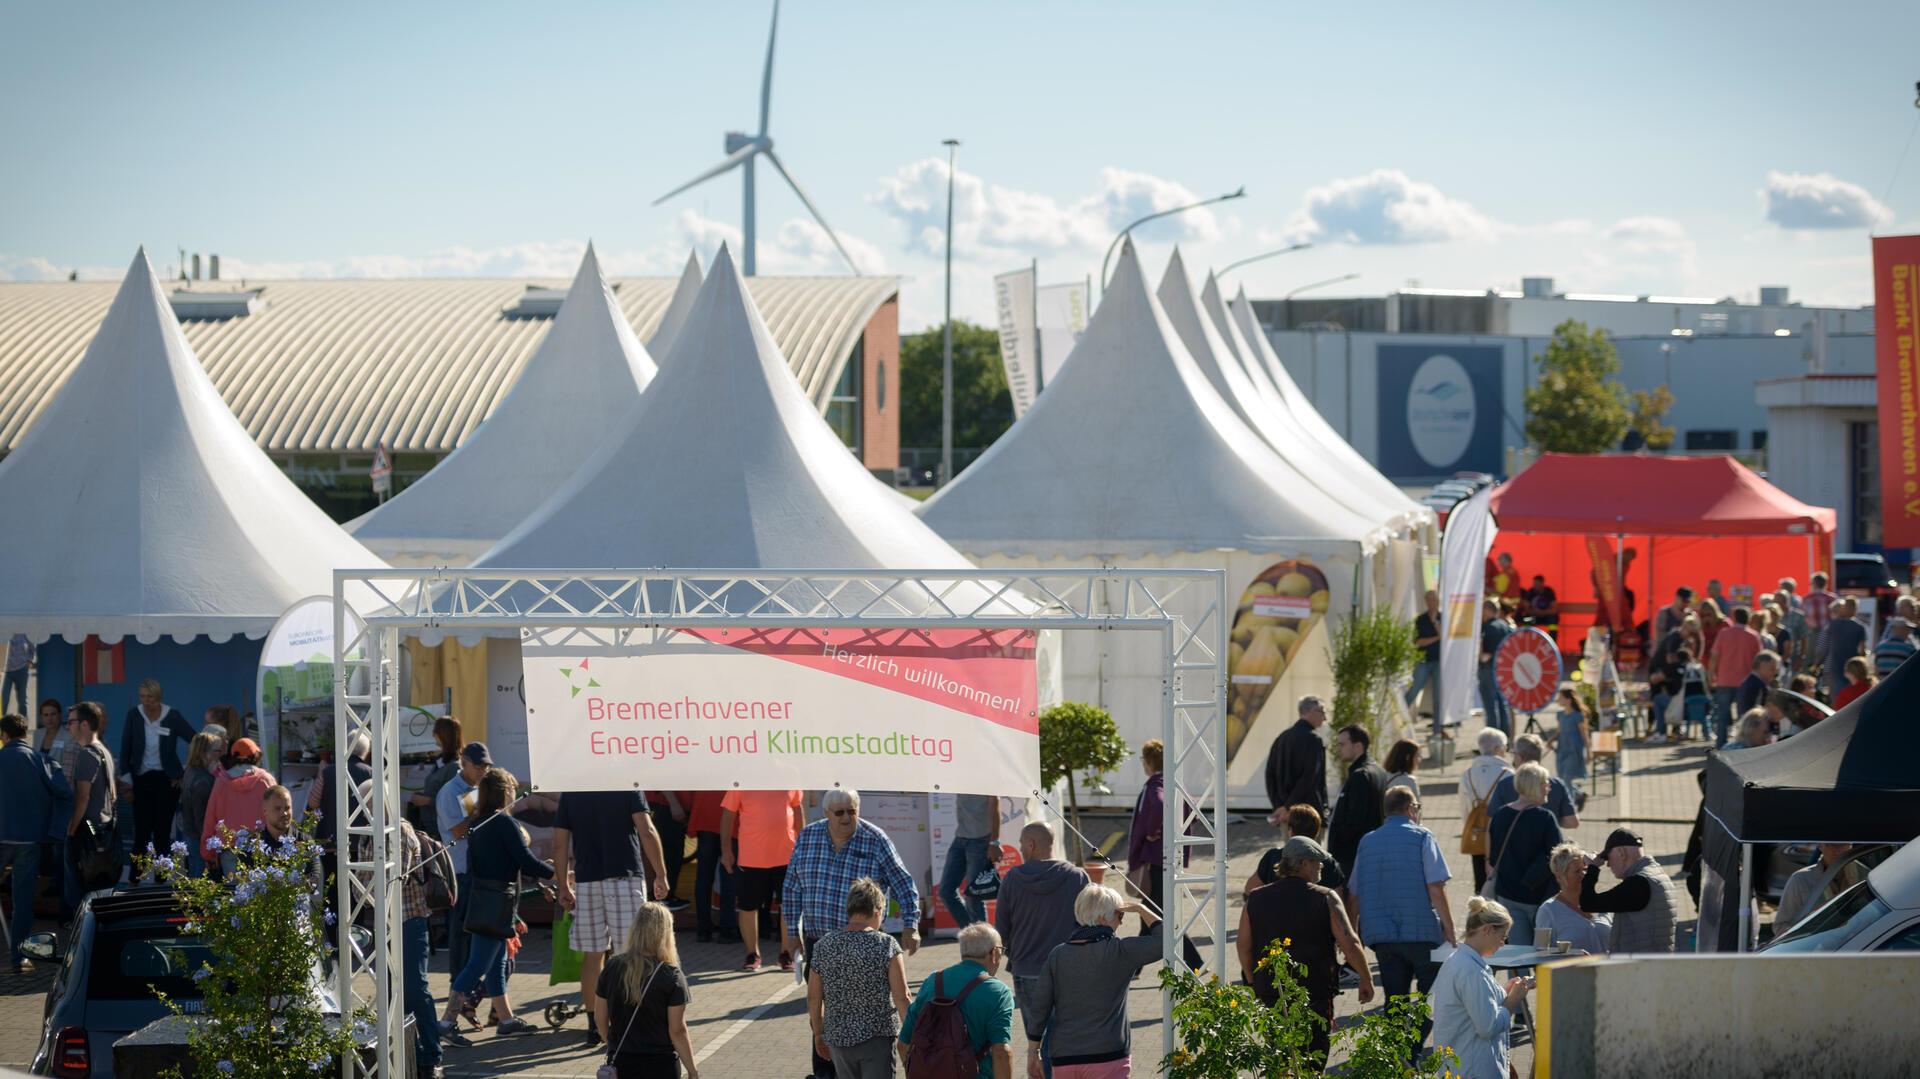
(1698, 149)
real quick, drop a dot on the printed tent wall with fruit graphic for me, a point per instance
(1133, 457)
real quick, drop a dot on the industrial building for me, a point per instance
(1428, 382)
(322, 372)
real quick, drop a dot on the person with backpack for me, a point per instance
(1477, 802)
(418, 866)
(960, 1025)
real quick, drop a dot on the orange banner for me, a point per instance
(1606, 583)
(1896, 294)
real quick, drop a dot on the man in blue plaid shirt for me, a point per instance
(831, 854)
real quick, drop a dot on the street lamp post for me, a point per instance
(1239, 194)
(1319, 284)
(946, 344)
(1232, 266)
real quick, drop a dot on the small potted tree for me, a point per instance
(1079, 742)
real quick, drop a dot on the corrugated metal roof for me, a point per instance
(339, 365)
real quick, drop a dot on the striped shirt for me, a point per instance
(1816, 609)
(819, 877)
(1889, 654)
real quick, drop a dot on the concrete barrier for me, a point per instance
(1712, 1016)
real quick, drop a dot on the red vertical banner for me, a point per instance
(1606, 583)
(1896, 296)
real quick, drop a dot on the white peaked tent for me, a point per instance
(1353, 468)
(724, 463)
(675, 315)
(142, 507)
(1132, 456)
(1255, 402)
(573, 394)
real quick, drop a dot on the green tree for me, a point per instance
(1649, 413)
(982, 407)
(266, 933)
(1577, 406)
(1079, 742)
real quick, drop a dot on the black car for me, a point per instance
(123, 946)
(1867, 577)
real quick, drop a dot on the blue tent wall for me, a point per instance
(194, 676)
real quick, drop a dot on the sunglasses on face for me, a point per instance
(846, 812)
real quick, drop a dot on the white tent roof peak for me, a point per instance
(1131, 450)
(169, 519)
(724, 463)
(677, 307)
(1347, 461)
(576, 388)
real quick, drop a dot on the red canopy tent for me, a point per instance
(1668, 521)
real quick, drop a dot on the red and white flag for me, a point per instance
(103, 664)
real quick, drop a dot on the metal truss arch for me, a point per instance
(1186, 607)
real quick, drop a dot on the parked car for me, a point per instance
(1879, 914)
(1867, 576)
(1786, 859)
(125, 946)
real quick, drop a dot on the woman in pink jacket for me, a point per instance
(235, 801)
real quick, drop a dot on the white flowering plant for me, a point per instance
(263, 1013)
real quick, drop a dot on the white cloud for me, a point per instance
(1639, 254)
(993, 221)
(1799, 200)
(1385, 206)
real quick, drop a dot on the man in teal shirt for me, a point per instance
(987, 1011)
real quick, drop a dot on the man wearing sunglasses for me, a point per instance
(827, 858)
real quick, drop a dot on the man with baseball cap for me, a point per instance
(1312, 923)
(450, 814)
(1641, 904)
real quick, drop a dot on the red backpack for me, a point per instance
(941, 1048)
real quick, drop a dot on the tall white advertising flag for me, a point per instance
(1061, 311)
(1463, 580)
(1013, 298)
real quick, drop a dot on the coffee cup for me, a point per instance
(1542, 939)
(1562, 946)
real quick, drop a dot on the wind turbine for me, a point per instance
(743, 148)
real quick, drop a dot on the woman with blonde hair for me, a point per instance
(1520, 839)
(1471, 1015)
(642, 1002)
(1079, 1007)
(196, 786)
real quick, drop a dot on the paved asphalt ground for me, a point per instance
(749, 1026)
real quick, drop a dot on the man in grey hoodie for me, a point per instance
(1034, 913)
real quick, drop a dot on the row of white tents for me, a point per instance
(1173, 437)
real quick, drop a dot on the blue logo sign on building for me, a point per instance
(1440, 409)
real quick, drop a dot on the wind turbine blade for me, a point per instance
(733, 159)
(812, 209)
(766, 75)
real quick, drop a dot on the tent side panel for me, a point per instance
(193, 676)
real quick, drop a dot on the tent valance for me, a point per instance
(1647, 495)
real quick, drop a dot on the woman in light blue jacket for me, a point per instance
(1471, 1016)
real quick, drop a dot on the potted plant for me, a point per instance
(1373, 651)
(1079, 742)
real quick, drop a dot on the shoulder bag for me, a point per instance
(1493, 867)
(607, 1070)
(99, 861)
(492, 905)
